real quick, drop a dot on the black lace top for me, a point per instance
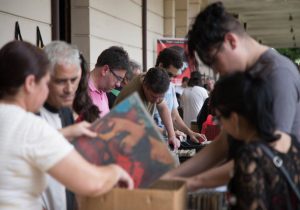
(258, 184)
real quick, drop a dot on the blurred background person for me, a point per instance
(134, 70)
(192, 98)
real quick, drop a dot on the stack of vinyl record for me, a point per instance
(207, 200)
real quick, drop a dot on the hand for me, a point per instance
(197, 137)
(175, 142)
(180, 135)
(78, 129)
(125, 180)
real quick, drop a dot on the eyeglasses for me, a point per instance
(210, 60)
(171, 75)
(119, 78)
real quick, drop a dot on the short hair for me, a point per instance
(157, 80)
(169, 57)
(115, 57)
(195, 80)
(62, 53)
(17, 61)
(210, 28)
(250, 97)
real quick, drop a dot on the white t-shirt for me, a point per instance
(192, 100)
(29, 147)
(54, 197)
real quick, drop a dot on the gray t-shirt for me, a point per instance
(285, 82)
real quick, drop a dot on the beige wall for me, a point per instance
(99, 24)
(29, 14)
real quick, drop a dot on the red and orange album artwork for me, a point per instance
(127, 136)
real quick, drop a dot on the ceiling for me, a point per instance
(275, 23)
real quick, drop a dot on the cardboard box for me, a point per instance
(163, 195)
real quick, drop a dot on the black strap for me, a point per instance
(277, 161)
(18, 35)
(39, 40)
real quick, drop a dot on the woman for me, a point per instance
(29, 147)
(82, 104)
(243, 106)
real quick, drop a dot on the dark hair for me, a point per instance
(210, 28)
(17, 61)
(250, 97)
(169, 57)
(82, 103)
(195, 79)
(181, 51)
(115, 57)
(157, 80)
(185, 79)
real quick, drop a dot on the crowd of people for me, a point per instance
(49, 96)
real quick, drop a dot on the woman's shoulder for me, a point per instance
(250, 151)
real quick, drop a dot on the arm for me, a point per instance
(165, 116)
(89, 180)
(208, 157)
(180, 125)
(76, 130)
(214, 177)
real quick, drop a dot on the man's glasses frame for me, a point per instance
(119, 78)
(209, 61)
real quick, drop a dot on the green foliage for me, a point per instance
(291, 53)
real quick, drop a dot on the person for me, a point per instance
(205, 115)
(151, 88)
(179, 91)
(65, 74)
(40, 149)
(82, 104)
(184, 84)
(222, 43)
(192, 98)
(171, 60)
(109, 72)
(209, 84)
(243, 105)
(134, 70)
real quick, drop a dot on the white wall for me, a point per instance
(99, 24)
(155, 28)
(29, 14)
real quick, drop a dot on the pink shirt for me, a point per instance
(99, 98)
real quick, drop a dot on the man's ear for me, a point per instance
(30, 83)
(234, 117)
(231, 39)
(104, 70)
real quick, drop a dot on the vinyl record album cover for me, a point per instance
(128, 137)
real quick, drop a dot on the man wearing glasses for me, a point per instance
(109, 72)
(172, 61)
(221, 42)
